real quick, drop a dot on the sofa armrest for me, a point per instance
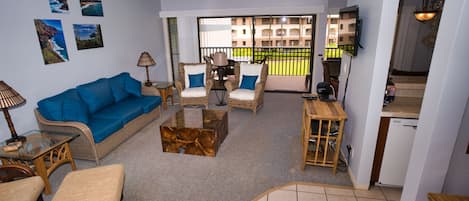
(150, 91)
(85, 138)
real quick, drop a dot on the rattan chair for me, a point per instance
(246, 98)
(196, 95)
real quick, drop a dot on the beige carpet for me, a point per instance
(260, 152)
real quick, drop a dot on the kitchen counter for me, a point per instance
(403, 107)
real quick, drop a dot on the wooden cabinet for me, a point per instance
(322, 131)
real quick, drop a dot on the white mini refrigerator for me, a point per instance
(397, 150)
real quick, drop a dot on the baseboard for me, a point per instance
(354, 181)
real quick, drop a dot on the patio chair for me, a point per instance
(247, 89)
(195, 84)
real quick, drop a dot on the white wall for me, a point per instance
(128, 28)
(457, 178)
(443, 106)
(365, 92)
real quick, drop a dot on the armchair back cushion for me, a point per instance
(192, 70)
(250, 69)
(248, 82)
(196, 80)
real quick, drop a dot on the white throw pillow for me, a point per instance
(192, 70)
(250, 69)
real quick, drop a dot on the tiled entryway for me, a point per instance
(319, 192)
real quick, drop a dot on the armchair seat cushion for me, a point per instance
(242, 94)
(194, 92)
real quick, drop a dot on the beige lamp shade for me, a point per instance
(219, 59)
(9, 97)
(145, 60)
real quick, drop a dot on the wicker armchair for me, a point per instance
(195, 95)
(18, 182)
(245, 98)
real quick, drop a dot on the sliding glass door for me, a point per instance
(283, 42)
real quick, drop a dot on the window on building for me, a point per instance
(341, 26)
(244, 31)
(281, 43)
(266, 20)
(266, 32)
(281, 32)
(244, 21)
(266, 43)
(244, 43)
(341, 39)
(294, 43)
(308, 32)
(294, 32)
(334, 20)
(234, 43)
(308, 43)
(294, 20)
(351, 27)
(233, 32)
(233, 21)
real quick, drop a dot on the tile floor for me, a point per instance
(319, 192)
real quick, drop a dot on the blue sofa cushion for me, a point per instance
(96, 95)
(121, 111)
(147, 103)
(118, 86)
(66, 106)
(102, 128)
(133, 86)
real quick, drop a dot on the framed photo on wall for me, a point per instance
(52, 41)
(88, 36)
(91, 7)
(59, 6)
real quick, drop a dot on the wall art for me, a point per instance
(51, 40)
(91, 7)
(59, 6)
(88, 36)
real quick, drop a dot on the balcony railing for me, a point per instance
(282, 61)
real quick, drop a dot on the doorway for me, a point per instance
(285, 43)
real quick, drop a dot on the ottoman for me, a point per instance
(103, 183)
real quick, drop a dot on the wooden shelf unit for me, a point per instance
(321, 133)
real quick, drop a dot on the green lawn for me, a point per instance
(289, 68)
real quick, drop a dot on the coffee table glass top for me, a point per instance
(37, 143)
(195, 118)
(162, 85)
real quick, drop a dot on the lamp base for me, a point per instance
(148, 83)
(16, 139)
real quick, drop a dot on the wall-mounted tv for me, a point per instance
(349, 30)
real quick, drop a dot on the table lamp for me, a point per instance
(9, 98)
(145, 60)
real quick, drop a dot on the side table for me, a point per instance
(166, 91)
(43, 152)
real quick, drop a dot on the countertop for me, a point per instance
(403, 107)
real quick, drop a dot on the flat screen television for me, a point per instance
(349, 30)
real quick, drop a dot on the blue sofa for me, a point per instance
(104, 112)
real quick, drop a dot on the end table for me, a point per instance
(43, 151)
(166, 90)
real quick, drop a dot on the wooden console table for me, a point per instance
(321, 133)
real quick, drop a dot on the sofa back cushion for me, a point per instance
(97, 94)
(133, 86)
(118, 86)
(66, 106)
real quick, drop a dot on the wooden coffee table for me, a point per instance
(43, 152)
(194, 131)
